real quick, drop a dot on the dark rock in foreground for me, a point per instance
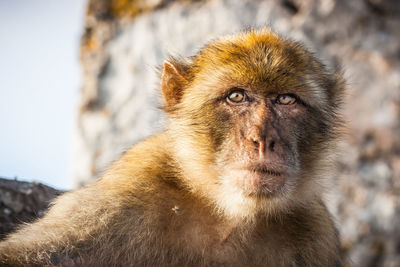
(22, 202)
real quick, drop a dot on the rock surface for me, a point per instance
(125, 39)
(22, 202)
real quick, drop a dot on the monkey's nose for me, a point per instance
(260, 146)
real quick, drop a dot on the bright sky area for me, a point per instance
(40, 78)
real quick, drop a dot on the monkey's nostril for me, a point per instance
(256, 143)
(272, 146)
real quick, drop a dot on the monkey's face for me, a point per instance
(261, 110)
(259, 151)
(266, 112)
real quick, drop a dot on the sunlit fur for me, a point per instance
(189, 196)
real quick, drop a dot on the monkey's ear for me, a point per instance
(172, 83)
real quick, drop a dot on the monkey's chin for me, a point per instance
(261, 182)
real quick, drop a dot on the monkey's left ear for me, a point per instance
(172, 83)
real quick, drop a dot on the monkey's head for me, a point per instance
(253, 117)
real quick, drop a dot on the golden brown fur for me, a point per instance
(228, 184)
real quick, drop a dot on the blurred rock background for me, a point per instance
(125, 40)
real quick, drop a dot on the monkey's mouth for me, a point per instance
(265, 181)
(266, 171)
(259, 179)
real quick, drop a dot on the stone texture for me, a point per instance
(22, 202)
(125, 40)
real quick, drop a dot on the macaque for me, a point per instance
(236, 179)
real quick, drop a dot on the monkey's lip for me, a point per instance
(266, 171)
(260, 178)
(267, 180)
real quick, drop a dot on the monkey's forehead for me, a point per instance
(258, 56)
(255, 46)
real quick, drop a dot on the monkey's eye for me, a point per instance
(236, 96)
(286, 99)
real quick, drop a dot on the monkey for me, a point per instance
(236, 178)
